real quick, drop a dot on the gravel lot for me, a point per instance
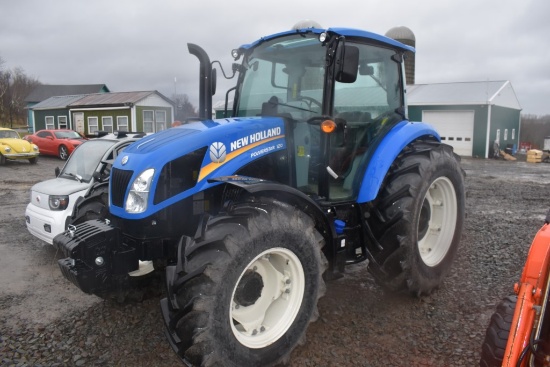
(46, 321)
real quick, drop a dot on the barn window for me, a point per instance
(62, 122)
(513, 134)
(92, 125)
(107, 123)
(148, 121)
(160, 120)
(50, 122)
(122, 123)
(505, 134)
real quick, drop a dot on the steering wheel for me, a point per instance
(310, 101)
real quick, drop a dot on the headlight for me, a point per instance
(7, 149)
(35, 148)
(59, 202)
(139, 192)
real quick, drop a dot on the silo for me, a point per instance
(406, 36)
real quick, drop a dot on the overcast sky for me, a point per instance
(135, 45)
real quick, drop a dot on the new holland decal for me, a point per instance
(219, 154)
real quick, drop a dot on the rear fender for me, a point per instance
(389, 148)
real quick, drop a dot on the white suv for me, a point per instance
(52, 201)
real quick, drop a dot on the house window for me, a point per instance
(148, 122)
(50, 122)
(160, 120)
(505, 134)
(498, 135)
(122, 123)
(62, 122)
(92, 125)
(107, 123)
(513, 134)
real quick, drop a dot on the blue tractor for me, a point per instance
(312, 167)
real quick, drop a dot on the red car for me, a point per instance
(60, 142)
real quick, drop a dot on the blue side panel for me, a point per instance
(394, 142)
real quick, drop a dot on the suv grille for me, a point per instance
(119, 183)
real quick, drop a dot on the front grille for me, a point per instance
(119, 183)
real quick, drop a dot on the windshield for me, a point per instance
(284, 76)
(67, 135)
(85, 159)
(8, 134)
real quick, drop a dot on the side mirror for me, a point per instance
(57, 171)
(347, 64)
(214, 80)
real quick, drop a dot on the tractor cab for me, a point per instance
(339, 92)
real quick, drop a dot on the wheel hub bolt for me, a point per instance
(287, 290)
(288, 281)
(262, 329)
(254, 332)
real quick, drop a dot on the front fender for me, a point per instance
(282, 192)
(389, 148)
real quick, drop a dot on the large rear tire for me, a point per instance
(418, 218)
(496, 337)
(246, 288)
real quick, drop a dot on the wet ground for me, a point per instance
(45, 320)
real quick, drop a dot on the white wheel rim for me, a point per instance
(437, 234)
(269, 318)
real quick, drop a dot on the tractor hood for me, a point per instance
(223, 146)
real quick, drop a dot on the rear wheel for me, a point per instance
(63, 152)
(496, 337)
(418, 218)
(244, 290)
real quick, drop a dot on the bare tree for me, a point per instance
(15, 85)
(184, 108)
(534, 129)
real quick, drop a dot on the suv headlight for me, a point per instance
(58, 202)
(139, 192)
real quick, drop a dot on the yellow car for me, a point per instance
(12, 147)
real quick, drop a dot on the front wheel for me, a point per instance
(418, 218)
(33, 160)
(245, 290)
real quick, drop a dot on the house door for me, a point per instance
(78, 118)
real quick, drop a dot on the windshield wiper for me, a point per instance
(78, 177)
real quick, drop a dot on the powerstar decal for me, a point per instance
(219, 154)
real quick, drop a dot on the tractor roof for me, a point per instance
(346, 32)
